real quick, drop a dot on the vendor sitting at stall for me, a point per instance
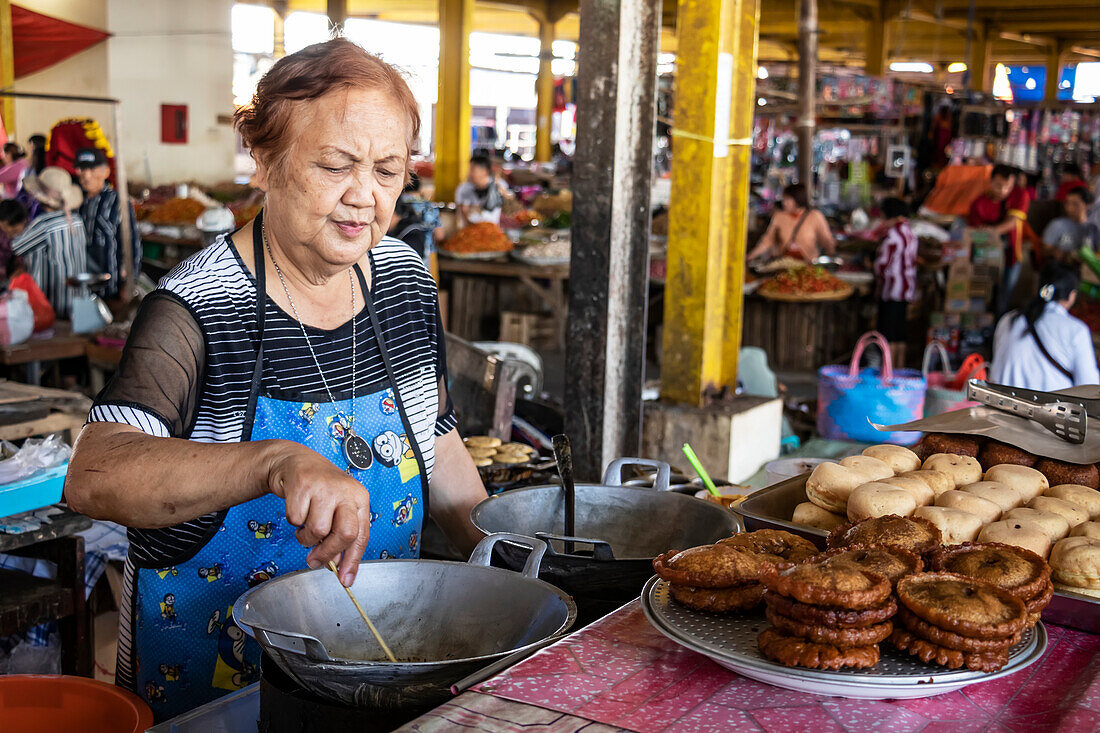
(1003, 210)
(101, 213)
(53, 245)
(1042, 347)
(480, 197)
(896, 272)
(796, 230)
(1066, 235)
(290, 376)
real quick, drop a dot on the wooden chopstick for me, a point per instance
(377, 636)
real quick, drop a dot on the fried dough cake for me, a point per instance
(892, 562)
(918, 536)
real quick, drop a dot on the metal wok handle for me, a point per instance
(483, 553)
(295, 643)
(601, 551)
(613, 476)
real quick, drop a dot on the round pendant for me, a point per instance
(357, 452)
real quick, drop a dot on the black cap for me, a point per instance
(89, 158)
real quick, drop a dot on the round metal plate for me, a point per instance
(731, 642)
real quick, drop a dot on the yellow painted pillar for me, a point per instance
(877, 42)
(1054, 73)
(452, 109)
(712, 134)
(279, 41)
(979, 66)
(7, 67)
(337, 12)
(544, 87)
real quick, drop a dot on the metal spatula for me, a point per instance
(1067, 420)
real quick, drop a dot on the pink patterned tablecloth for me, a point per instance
(622, 672)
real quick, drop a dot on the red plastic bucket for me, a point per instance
(32, 703)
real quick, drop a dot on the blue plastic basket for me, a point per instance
(33, 492)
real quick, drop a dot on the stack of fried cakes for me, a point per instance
(725, 577)
(1020, 572)
(827, 613)
(955, 621)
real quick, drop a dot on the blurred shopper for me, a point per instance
(796, 230)
(1003, 210)
(13, 220)
(1042, 347)
(1071, 179)
(480, 197)
(13, 166)
(1066, 235)
(416, 222)
(896, 272)
(101, 214)
(53, 244)
(37, 142)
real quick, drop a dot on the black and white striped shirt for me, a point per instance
(53, 246)
(103, 226)
(187, 366)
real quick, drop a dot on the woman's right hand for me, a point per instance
(329, 507)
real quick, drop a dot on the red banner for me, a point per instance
(40, 41)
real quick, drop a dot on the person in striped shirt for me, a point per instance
(53, 244)
(282, 399)
(102, 216)
(896, 271)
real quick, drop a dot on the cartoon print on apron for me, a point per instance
(188, 649)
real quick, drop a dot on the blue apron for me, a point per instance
(188, 649)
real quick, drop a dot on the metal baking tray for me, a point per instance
(730, 640)
(772, 507)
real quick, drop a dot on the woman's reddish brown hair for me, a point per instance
(309, 74)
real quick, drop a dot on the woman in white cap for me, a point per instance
(53, 244)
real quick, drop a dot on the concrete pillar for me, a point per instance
(7, 67)
(616, 95)
(452, 109)
(544, 87)
(714, 104)
(337, 12)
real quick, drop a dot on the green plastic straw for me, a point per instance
(694, 461)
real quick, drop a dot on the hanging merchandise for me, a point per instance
(70, 135)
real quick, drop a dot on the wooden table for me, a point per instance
(48, 411)
(174, 251)
(64, 344)
(551, 294)
(26, 601)
(101, 360)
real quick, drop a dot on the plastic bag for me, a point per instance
(35, 455)
(44, 315)
(16, 318)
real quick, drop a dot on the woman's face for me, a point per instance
(336, 191)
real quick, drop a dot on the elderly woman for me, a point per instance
(286, 383)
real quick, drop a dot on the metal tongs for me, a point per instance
(1066, 419)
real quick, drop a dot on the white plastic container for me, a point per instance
(785, 468)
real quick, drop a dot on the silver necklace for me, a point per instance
(356, 450)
